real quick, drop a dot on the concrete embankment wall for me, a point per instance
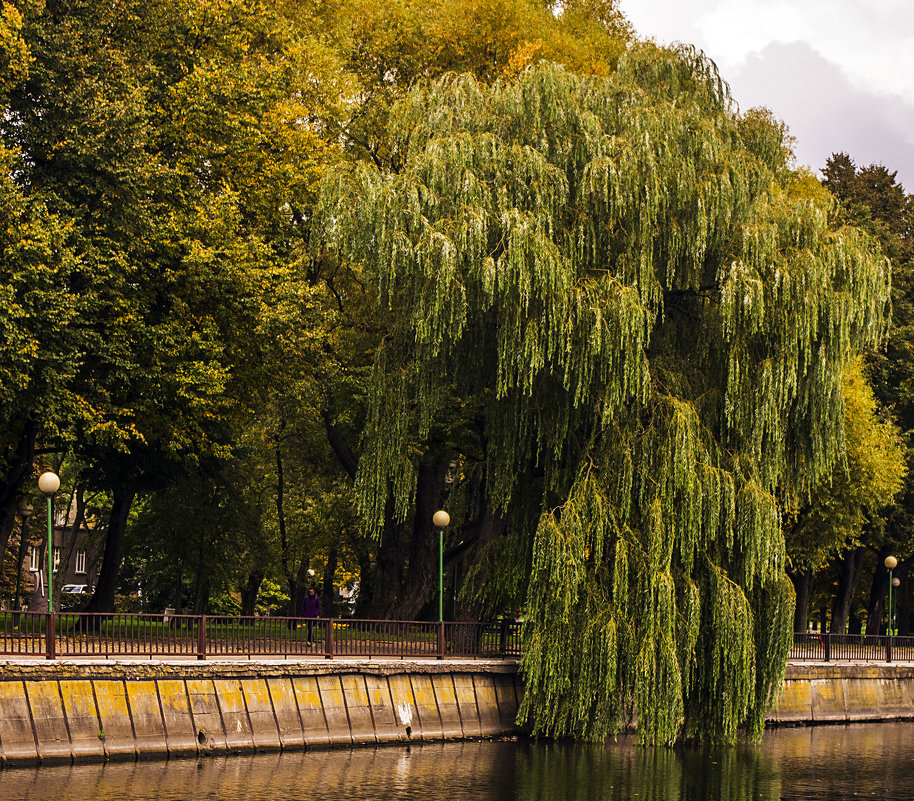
(67, 711)
(82, 711)
(844, 693)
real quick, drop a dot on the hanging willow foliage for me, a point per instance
(622, 280)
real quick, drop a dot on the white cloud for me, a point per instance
(826, 113)
(873, 42)
(733, 30)
(840, 73)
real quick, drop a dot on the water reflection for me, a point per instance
(623, 771)
(434, 771)
(835, 763)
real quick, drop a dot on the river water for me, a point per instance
(832, 762)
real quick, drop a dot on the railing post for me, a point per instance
(328, 639)
(50, 638)
(828, 647)
(440, 654)
(201, 637)
(503, 639)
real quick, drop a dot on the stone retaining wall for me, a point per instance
(81, 711)
(844, 693)
(95, 711)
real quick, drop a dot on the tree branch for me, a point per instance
(340, 444)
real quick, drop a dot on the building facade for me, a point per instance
(80, 551)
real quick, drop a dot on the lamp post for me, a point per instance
(25, 512)
(441, 520)
(891, 563)
(49, 483)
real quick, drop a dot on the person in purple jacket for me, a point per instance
(311, 609)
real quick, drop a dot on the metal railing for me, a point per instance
(814, 647)
(103, 635)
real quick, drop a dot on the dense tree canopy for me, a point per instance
(167, 136)
(610, 300)
(281, 279)
(872, 199)
(847, 507)
(861, 485)
(182, 143)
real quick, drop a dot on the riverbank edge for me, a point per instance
(84, 711)
(832, 693)
(96, 710)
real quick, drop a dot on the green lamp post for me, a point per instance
(49, 483)
(891, 563)
(441, 520)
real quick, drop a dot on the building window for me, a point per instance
(34, 559)
(56, 558)
(80, 561)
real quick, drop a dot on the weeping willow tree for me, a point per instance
(619, 294)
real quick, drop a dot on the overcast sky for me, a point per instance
(840, 73)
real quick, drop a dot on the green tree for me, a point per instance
(384, 47)
(381, 49)
(38, 300)
(847, 508)
(872, 199)
(609, 303)
(169, 136)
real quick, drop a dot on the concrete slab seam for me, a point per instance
(66, 721)
(476, 700)
(28, 705)
(463, 729)
(282, 746)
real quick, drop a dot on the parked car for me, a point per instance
(73, 597)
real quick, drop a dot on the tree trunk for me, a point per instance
(855, 625)
(340, 445)
(281, 521)
(20, 465)
(68, 542)
(202, 583)
(103, 598)
(23, 545)
(388, 577)
(178, 592)
(298, 586)
(249, 591)
(421, 582)
(849, 566)
(903, 619)
(364, 602)
(328, 594)
(802, 584)
(491, 526)
(467, 639)
(295, 578)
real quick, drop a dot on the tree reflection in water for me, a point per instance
(837, 763)
(623, 771)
